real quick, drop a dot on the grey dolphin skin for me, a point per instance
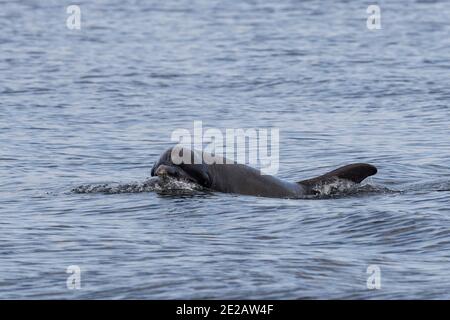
(241, 179)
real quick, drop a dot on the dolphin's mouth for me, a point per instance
(165, 171)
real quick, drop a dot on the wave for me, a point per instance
(440, 185)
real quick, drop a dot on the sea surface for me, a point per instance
(94, 108)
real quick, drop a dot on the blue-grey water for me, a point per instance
(97, 106)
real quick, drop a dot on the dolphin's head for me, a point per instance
(174, 165)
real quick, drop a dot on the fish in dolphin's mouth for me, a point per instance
(165, 168)
(165, 171)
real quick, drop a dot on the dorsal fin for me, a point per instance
(355, 172)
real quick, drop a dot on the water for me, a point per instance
(97, 107)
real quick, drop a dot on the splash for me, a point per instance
(148, 185)
(331, 189)
(342, 188)
(154, 184)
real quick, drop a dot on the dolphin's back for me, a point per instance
(242, 179)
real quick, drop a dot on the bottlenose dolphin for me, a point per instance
(231, 177)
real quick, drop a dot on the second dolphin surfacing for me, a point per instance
(242, 179)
